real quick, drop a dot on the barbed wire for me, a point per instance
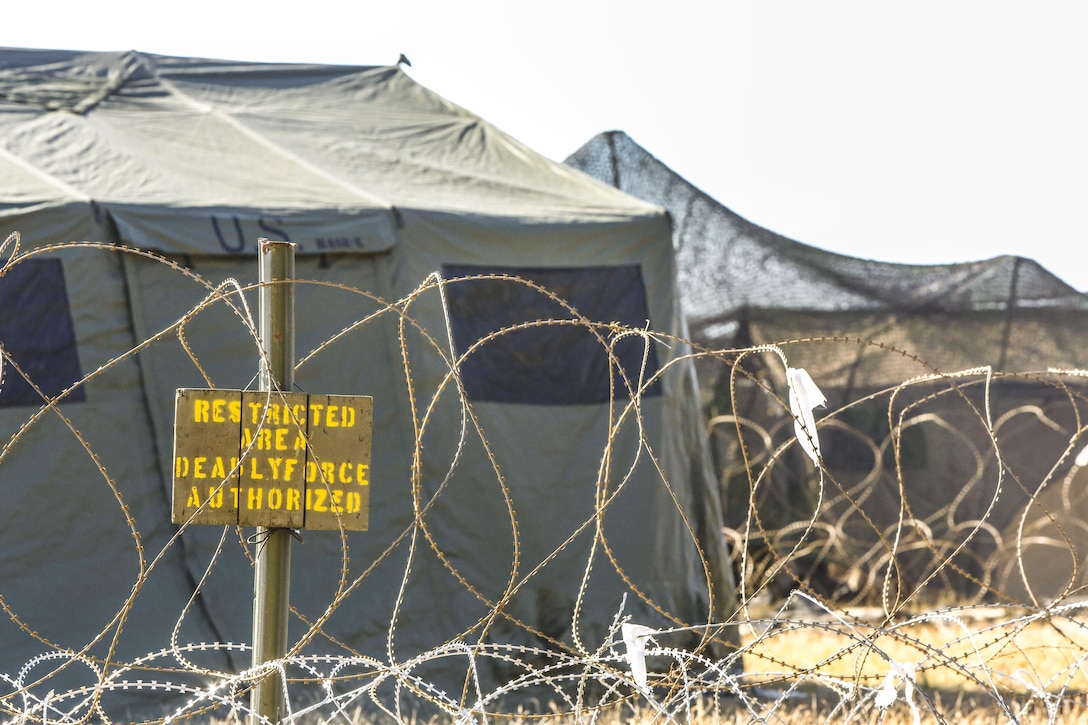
(930, 543)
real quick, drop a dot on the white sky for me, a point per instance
(926, 132)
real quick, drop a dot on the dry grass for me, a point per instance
(1020, 655)
(959, 709)
(949, 710)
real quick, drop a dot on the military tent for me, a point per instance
(482, 526)
(954, 399)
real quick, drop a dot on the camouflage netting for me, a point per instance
(954, 406)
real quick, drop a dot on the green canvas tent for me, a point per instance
(380, 183)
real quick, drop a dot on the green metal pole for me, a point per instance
(272, 573)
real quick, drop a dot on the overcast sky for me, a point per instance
(926, 132)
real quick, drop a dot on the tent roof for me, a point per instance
(145, 137)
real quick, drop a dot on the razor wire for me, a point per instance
(887, 554)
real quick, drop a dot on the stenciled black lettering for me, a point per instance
(276, 232)
(339, 242)
(238, 231)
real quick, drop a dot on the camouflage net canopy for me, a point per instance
(954, 414)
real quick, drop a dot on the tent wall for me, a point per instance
(486, 523)
(84, 517)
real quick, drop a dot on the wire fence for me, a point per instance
(915, 552)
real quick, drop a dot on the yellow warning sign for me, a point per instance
(290, 460)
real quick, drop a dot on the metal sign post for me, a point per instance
(272, 571)
(276, 459)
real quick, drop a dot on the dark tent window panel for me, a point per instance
(550, 364)
(36, 332)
